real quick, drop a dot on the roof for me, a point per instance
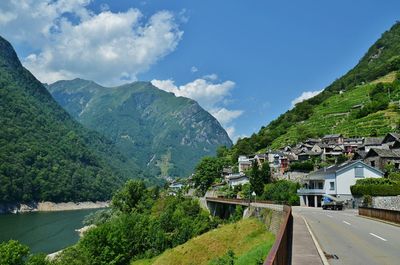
(319, 174)
(391, 137)
(373, 140)
(337, 135)
(309, 153)
(236, 176)
(385, 153)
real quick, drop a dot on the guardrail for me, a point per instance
(383, 214)
(281, 251)
(240, 201)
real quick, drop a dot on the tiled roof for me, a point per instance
(373, 140)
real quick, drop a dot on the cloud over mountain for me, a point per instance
(209, 94)
(73, 41)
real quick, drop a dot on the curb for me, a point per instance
(319, 249)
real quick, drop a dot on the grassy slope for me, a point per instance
(334, 115)
(247, 238)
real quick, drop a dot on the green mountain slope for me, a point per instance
(335, 109)
(165, 134)
(44, 153)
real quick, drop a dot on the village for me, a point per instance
(325, 168)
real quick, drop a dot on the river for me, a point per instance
(45, 232)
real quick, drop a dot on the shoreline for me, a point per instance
(15, 208)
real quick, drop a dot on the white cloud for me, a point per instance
(194, 69)
(209, 95)
(225, 116)
(305, 95)
(108, 47)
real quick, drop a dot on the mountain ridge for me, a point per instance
(164, 133)
(44, 154)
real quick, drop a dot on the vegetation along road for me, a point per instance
(347, 238)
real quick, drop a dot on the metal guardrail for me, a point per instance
(383, 214)
(281, 251)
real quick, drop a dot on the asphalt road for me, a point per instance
(350, 239)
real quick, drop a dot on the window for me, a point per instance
(332, 185)
(359, 172)
(320, 185)
(396, 165)
(372, 163)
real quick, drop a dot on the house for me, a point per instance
(351, 144)
(332, 139)
(236, 179)
(371, 142)
(334, 181)
(306, 155)
(379, 158)
(390, 139)
(244, 163)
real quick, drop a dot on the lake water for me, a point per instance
(45, 232)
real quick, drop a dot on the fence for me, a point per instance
(281, 251)
(383, 214)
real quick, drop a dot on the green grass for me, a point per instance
(248, 238)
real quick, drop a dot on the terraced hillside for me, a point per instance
(357, 104)
(339, 112)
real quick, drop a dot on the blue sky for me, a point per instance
(245, 63)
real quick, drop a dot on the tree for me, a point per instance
(129, 196)
(13, 253)
(206, 172)
(265, 173)
(256, 178)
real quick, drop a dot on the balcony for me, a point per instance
(304, 191)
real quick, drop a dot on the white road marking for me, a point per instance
(330, 216)
(347, 223)
(381, 238)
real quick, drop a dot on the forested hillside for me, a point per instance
(355, 104)
(44, 153)
(165, 134)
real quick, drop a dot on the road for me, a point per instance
(351, 239)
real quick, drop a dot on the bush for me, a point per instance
(305, 166)
(282, 191)
(376, 190)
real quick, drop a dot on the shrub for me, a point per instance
(376, 190)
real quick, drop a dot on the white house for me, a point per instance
(334, 181)
(236, 179)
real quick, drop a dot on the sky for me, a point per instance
(246, 62)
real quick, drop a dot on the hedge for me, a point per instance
(375, 190)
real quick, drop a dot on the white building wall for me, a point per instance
(347, 178)
(328, 179)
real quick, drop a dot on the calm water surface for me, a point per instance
(43, 232)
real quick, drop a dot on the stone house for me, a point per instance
(379, 158)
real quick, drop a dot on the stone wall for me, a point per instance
(387, 202)
(270, 217)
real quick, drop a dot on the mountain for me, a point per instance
(45, 155)
(166, 134)
(363, 102)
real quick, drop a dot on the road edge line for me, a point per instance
(319, 249)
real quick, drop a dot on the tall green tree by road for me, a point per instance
(207, 171)
(259, 177)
